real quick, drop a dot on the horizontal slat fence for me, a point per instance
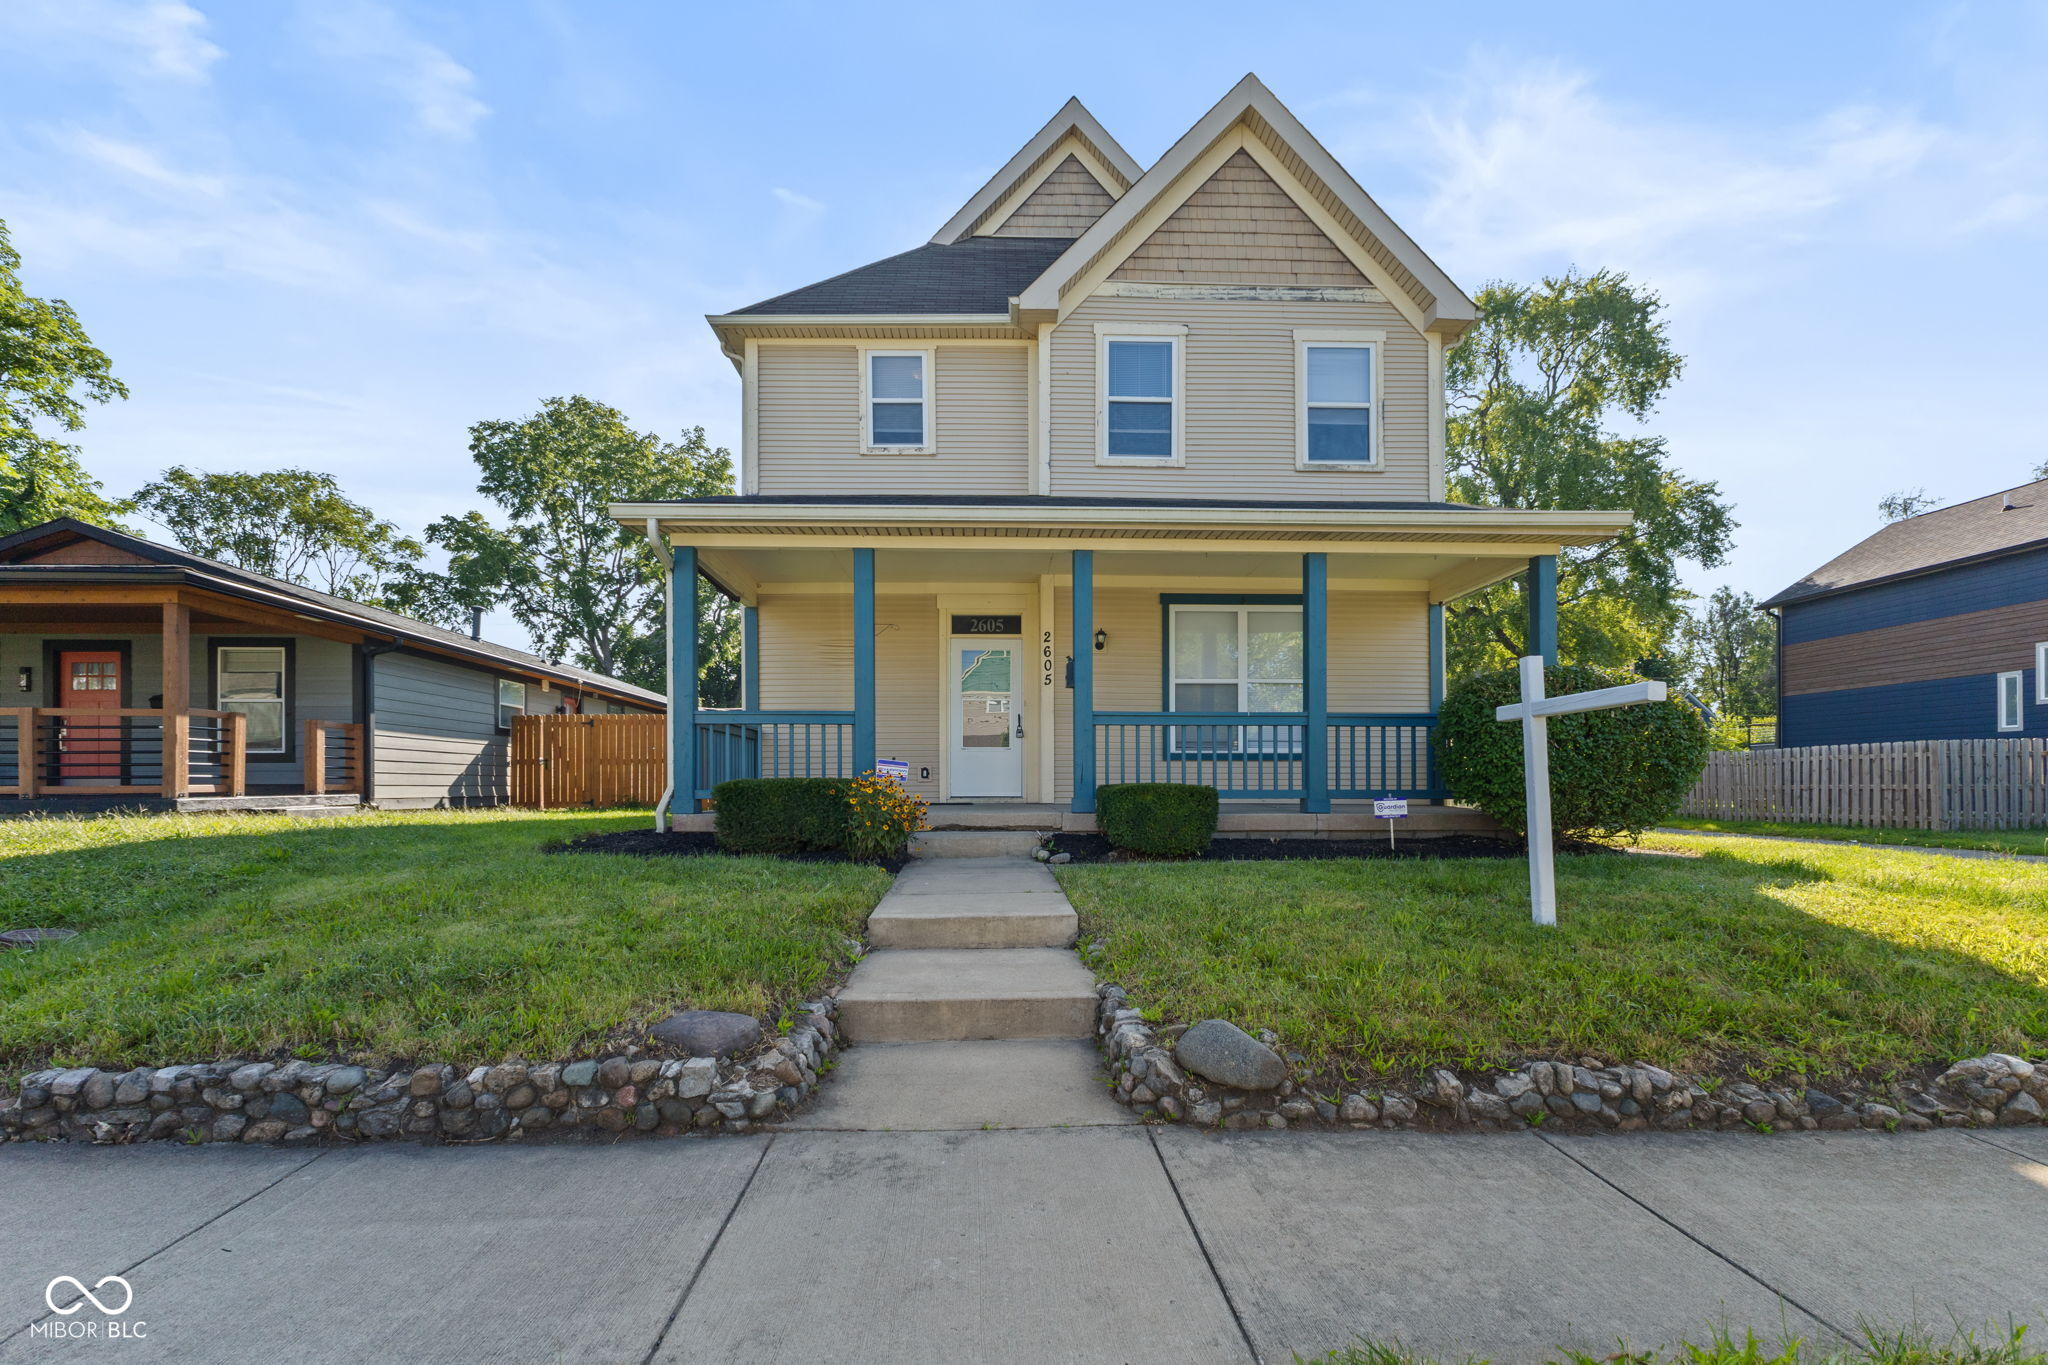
(587, 760)
(1920, 784)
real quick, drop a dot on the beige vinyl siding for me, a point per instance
(1239, 410)
(1065, 204)
(810, 425)
(1240, 228)
(807, 664)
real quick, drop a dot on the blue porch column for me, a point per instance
(682, 679)
(1436, 657)
(863, 661)
(750, 658)
(1083, 737)
(1543, 608)
(1315, 683)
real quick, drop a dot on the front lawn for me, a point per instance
(2034, 841)
(1782, 957)
(391, 935)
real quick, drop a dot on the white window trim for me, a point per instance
(1376, 340)
(1269, 745)
(498, 702)
(2019, 695)
(931, 407)
(1177, 334)
(2041, 674)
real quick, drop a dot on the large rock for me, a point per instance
(707, 1033)
(1220, 1051)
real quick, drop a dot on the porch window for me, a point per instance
(2011, 699)
(897, 400)
(511, 702)
(1236, 658)
(1139, 398)
(250, 679)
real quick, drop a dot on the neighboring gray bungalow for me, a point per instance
(274, 696)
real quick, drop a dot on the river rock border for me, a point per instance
(301, 1103)
(1995, 1090)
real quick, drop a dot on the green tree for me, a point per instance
(49, 371)
(586, 588)
(1732, 655)
(293, 524)
(1531, 392)
(1910, 503)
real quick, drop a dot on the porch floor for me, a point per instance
(1252, 819)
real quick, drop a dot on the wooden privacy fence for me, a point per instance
(1921, 784)
(587, 761)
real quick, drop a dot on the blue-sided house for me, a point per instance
(1936, 627)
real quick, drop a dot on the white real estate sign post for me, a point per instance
(1535, 711)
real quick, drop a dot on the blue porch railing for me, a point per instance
(732, 744)
(1259, 757)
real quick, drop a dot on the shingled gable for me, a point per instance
(1250, 124)
(1071, 141)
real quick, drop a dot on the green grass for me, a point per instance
(2034, 841)
(1744, 953)
(1878, 1347)
(386, 936)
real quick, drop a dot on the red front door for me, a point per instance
(89, 747)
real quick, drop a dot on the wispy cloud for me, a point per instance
(439, 90)
(798, 214)
(160, 38)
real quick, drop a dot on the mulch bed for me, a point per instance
(650, 843)
(1093, 848)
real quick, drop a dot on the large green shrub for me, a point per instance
(1161, 819)
(1611, 772)
(781, 814)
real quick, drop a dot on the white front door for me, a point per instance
(985, 711)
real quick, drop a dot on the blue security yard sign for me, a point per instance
(896, 769)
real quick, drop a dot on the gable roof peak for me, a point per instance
(1073, 124)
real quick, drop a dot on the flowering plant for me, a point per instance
(882, 817)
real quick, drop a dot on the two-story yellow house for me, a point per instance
(1129, 474)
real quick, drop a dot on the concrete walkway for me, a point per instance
(973, 1011)
(1846, 843)
(1102, 1244)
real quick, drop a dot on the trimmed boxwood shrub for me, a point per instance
(781, 814)
(1611, 772)
(1160, 819)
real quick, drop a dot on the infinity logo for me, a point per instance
(50, 1295)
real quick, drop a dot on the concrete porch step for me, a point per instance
(998, 920)
(945, 994)
(974, 843)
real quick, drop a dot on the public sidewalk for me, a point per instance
(1093, 1244)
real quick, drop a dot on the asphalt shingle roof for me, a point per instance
(979, 275)
(1969, 530)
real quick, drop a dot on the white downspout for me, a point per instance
(668, 713)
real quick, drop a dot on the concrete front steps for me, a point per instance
(970, 948)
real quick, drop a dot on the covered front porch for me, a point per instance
(1093, 654)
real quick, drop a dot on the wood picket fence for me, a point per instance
(561, 761)
(1920, 784)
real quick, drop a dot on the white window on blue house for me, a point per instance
(2041, 674)
(1140, 411)
(1339, 388)
(2011, 701)
(1235, 659)
(897, 398)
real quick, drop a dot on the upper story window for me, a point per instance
(1338, 420)
(2012, 698)
(897, 399)
(1141, 382)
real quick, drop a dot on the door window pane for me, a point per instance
(985, 718)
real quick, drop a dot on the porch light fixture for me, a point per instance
(1101, 640)
(25, 678)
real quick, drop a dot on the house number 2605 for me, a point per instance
(1045, 659)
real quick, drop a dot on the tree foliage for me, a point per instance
(1732, 655)
(49, 371)
(1531, 391)
(1907, 503)
(293, 524)
(1614, 772)
(586, 588)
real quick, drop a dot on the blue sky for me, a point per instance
(334, 234)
